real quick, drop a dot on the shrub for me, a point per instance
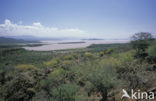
(101, 76)
(66, 63)
(68, 57)
(152, 54)
(26, 67)
(65, 92)
(20, 88)
(52, 63)
(101, 53)
(108, 51)
(90, 55)
(152, 51)
(54, 79)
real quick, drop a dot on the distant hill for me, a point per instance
(25, 37)
(93, 39)
(12, 40)
(34, 38)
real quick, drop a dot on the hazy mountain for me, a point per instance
(25, 37)
(12, 40)
(34, 38)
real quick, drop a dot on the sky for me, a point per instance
(108, 19)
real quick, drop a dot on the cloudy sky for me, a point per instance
(107, 19)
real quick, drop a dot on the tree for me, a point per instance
(140, 42)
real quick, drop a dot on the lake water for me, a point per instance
(70, 44)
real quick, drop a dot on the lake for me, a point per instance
(70, 44)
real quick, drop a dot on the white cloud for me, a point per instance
(37, 29)
(7, 22)
(37, 24)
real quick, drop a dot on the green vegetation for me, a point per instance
(99, 72)
(152, 50)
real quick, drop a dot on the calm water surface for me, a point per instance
(70, 44)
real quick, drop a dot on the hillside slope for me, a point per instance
(12, 40)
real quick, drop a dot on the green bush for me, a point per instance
(152, 50)
(152, 54)
(108, 51)
(26, 67)
(53, 80)
(19, 88)
(65, 92)
(101, 77)
(90, 55)
(52, 63)
(68, 57)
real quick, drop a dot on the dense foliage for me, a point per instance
(75, 76)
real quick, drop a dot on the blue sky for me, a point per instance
(77, 18)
